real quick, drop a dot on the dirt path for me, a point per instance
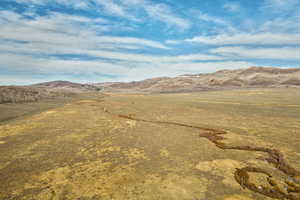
(290, 189)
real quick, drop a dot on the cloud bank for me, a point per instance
(124, 40)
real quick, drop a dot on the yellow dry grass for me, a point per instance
(79, 151)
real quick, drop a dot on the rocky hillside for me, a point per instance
(253, 77)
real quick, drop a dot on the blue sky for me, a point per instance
(125, 40)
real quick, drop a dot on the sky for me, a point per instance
(125, 40)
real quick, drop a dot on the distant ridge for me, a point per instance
(66, 85)
(253, 77)
(36, 92)
(22, 94)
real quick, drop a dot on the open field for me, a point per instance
(156, 146)
(12, 111)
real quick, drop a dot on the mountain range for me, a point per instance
(253, 77)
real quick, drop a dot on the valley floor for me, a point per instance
(116, 146)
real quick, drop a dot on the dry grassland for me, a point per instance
(86, 150)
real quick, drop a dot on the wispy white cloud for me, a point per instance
(131, 40)
(232, 6)
(163, 13)
(205, 17)
(77, 4)
(216, 24)
(65, 30)
(53, 68)
(282, 24)
(32, 1)
(127, 9)
(172, 42)
(160, 12)
(279, 53)
(35, 46)
(49, 49)
(248, 38)
(107, 37)
(115, 9)
(279, 5)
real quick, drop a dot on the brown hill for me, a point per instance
(66, 86)
(253, 77)
(21, 94)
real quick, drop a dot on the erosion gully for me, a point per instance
(290, 191)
